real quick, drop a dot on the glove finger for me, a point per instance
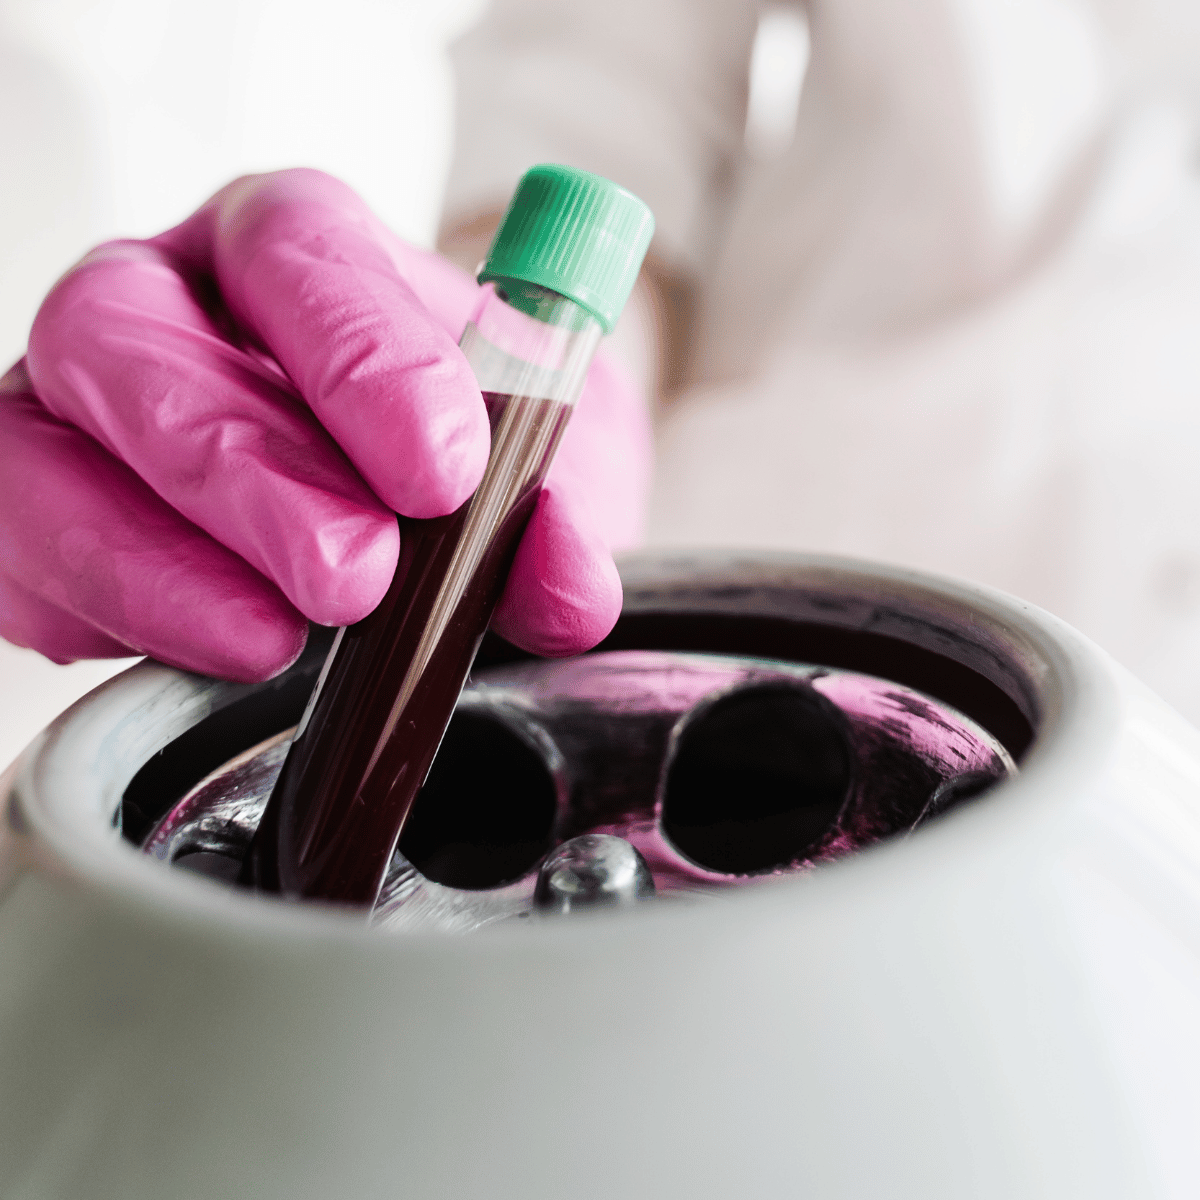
(563, 593)
(300, 261)
(28, 620)
(84, 533)
(448, 293)
(123, 349)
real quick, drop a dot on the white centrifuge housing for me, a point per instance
(1002, 1002)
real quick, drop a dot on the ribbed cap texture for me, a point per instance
(578, 234)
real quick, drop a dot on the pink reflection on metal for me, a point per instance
(934, 731)
(633, 681)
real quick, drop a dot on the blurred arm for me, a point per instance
(651, 95)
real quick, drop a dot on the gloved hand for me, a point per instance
(212, 429)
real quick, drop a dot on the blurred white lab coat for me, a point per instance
(955, 324)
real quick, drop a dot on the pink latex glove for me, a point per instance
(211, 431)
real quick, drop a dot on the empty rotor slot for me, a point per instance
(486, 813)
(758, 778)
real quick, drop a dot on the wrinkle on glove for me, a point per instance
(122, 350)
(28, 620)
(218, 426)
(84, 536)
(298, 262)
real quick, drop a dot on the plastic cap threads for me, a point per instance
(575, 233)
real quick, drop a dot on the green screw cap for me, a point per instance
(578, 234)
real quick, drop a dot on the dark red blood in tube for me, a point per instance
(386, 695)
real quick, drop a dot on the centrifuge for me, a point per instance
(816, 878)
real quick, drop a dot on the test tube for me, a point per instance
(560, 268)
